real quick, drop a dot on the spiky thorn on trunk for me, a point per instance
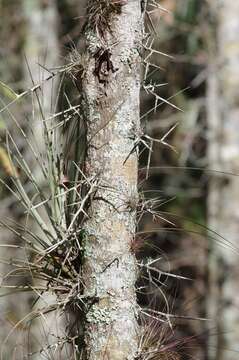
(101, 14)
(111, 87)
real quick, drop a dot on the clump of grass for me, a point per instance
(157, 342)
(54, 196)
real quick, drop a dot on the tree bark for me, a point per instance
(42, 48)
(223, 115)
(111, 86)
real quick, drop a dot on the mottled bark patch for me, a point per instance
(111, 86)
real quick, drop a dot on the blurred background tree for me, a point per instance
(223, 151)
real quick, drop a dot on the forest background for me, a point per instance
(194, 174)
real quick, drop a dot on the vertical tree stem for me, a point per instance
(223, 153)
(111, 87)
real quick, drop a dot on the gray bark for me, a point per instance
(223, 116)
(111, 104)
(42, 48)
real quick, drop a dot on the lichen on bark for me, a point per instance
(111, 106)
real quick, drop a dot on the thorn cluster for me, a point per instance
(100, 14)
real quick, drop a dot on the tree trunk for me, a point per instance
(223, 116)
(41, 47)
(111, 86)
